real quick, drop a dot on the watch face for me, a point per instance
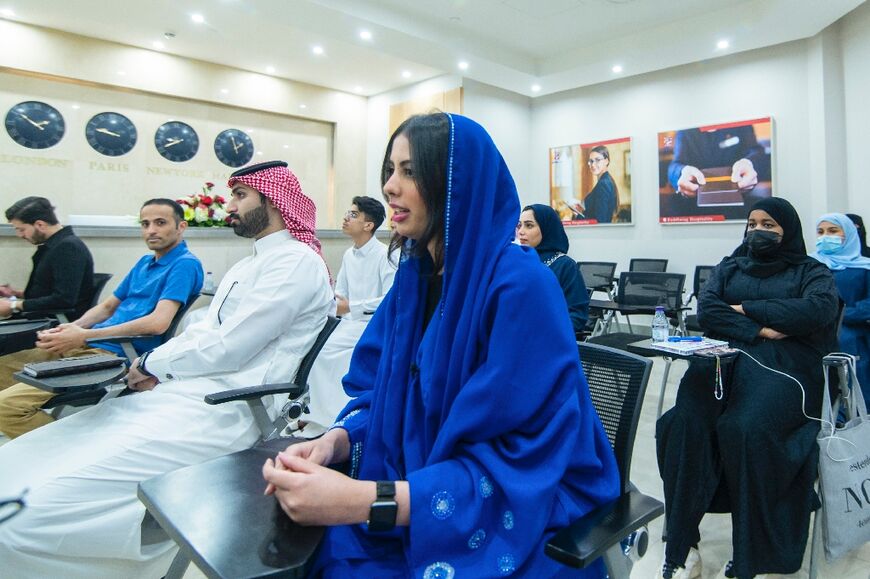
(111, 134)
(35, 125)
(233, 147)
(176, 141)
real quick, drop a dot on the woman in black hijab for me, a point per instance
(747, 448)
(862, 233)
(541, 228)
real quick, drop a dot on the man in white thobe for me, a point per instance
(82, 517)
(365, 277)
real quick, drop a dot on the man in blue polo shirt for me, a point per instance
(143, 304)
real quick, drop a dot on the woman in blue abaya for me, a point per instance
(482, 429)
(541, 228)
(838, 246)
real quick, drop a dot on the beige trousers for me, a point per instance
(19, 403)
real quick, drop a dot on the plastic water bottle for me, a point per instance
(661, 328)
(208, 284)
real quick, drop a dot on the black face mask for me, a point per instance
(762, 243)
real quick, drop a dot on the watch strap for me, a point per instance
(386, 490)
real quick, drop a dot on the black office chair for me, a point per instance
(58, 403)
(19, 333)
(702, 274)
(279, 547)
(645, 264)
(638, 293)
(617, 383)
(598, 275)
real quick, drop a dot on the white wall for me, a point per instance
(855, 43)
(786, 82)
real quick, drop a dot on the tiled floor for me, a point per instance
(715, 529)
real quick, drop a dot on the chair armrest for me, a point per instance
(41, 313)
(587, 538)
(252, 392)
(119, 339)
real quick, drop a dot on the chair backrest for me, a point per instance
(650, 289)
(176, 319)
(307, 362)
(100, 281)
(617, 382)
(645, 264)
(702, 274)
(598, 275)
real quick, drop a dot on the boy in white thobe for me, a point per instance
(365, 277)
(82, 517)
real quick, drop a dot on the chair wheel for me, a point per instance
(635, 545)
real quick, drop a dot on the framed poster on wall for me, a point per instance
(590, 184)
(714, 173)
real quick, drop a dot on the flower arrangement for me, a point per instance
(205, 209)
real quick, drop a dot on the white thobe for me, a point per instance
(82, 517)
(365, 277)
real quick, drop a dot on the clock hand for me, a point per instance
(172, 142)
(34, 123)
(237, 147)
(107, 132)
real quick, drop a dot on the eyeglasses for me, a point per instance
(351, 215)
(593, 161)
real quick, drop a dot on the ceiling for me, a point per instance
(532, 47)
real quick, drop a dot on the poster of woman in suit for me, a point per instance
(590, 184)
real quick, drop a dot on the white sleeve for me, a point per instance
(266, 309)
(359, 309)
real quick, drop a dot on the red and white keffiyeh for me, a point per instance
(282, 188)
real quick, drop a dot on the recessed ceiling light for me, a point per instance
(286, 146)
(7, 13)
(617, 68)
(225, 91)
(76, 107)
(406, 74)
(303, 106)
(365, 34)
(723, 44)
(121, 73)
(536, 88)
(462, 65)
(270, 70)
(197, 18)
(158, 45)
(317, 49)
(357, 89)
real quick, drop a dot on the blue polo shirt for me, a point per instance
(176, 276)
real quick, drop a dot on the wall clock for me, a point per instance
(111, 134)
(35, 125)
(233, 147)
(176, 141)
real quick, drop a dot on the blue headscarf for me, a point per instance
(849, 254)
(553, 237)
(495, 432)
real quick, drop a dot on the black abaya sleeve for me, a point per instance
(816, 308)
(716, 316)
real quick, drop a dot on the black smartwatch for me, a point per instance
(382, 515)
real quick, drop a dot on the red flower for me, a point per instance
(209, 185)
(211, 213)
(206, 200)
(182, 202)
(220, 199)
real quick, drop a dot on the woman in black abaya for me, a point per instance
(752, 453)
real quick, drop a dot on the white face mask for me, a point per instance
(829, 243)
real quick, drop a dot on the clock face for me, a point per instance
(176, 141)
(111, 134)
(233, 147)
(35, 125)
